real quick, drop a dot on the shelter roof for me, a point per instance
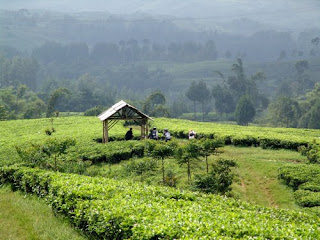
(122, 111)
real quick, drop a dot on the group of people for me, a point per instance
(155, 136)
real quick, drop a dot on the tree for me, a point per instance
(224, 102)
(3, 113)
(154, 105)
(208, 147)
(237, 86)
(35, 109)
(53, 100)
(219, 179)
(203, 95)
(245, 111)
(42, 155)
(192, 95)
(284, 111)
(310, 109)
(199, 92)
(162, 151)
(54, 148)
(188, 154)
(315, 116)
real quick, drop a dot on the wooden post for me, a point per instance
(142, 130)
(147, 130)
(105, 132)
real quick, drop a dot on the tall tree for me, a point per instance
(199, 92)
(236, 86)
(53, 100)
(188, 155)
(154, 105)
(284, 111)
(245, 111)
(192, 95)
(223, 99)
(315, 116)
(3, 113)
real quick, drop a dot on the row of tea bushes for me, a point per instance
(305, 179)
(266, 137)
(110, 209)
(247, 140)
(113, 152)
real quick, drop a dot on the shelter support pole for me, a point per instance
(143, 129)
(105, 132)
(147, 130)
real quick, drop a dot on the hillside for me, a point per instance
(256, 180)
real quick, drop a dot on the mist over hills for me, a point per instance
(223, 15)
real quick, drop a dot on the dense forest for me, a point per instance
(53, 62)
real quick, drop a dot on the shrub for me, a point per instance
(219, 179)
(95, 111)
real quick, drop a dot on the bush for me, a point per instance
(141, 167)
(95, 111)
(219, 179)
(109, 209)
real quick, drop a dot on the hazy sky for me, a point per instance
(172, 7)
(283, 13)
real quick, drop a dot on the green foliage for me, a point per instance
(18, 70)
(188, 154)
(171, 179)
(32, 155)
(208, 147)
(305, 179)
(55, 95)
(219, 179)
(162, 151)
(245, 111)
(141, 167)
(306, 198)
(223, 99)
(110, 209)
(3, 113)
(20, 102)
(314, 122)
(113, 152)
(284, 111)
(154, 105)
(45, 155)
(199, 92)
(95, 111)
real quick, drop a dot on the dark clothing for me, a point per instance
(129, 135)
(153, 134)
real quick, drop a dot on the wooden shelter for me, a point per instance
(123, 111)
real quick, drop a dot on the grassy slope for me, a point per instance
(257, 180)
(27, 217)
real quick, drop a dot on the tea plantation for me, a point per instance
(112, 209)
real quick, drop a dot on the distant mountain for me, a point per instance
(293, 15)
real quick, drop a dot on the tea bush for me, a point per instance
(110, 209)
